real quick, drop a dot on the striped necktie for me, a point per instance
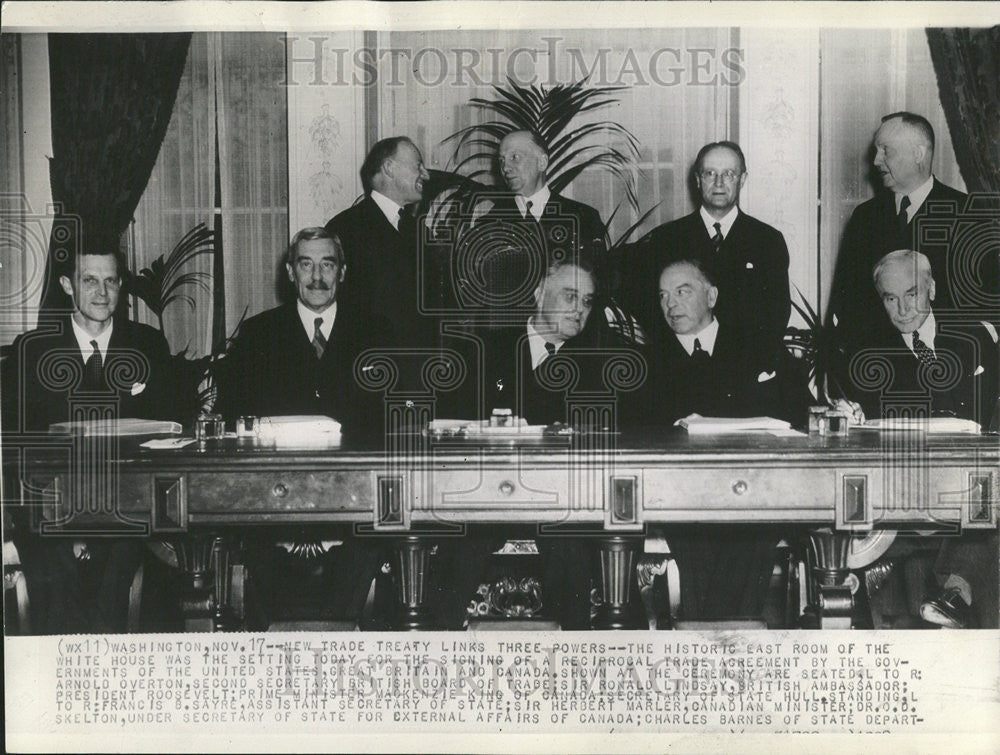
(319, 341)
(718, 238)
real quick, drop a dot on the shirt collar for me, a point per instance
(308, 318)
(706, 337)
(917, 198)
(83, 338)
(390, 208)
(726, 222)
(538, 201)
(925, 331)
(537, 344)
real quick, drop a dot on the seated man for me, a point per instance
(701, 365)
(937, 365)
(514, 373)
(84, 586)
(298, 359)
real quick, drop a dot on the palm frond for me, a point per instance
(549, 113)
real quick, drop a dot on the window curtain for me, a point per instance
(179, 195)
(112, 95)
(967, 64)
(252, 122)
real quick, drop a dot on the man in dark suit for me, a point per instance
(299, 358)
(703, 366)
(746, 258)
(521, 367)
(381, 240)
(85, 359)
(536, 227)
(904, 151)
(934, 365)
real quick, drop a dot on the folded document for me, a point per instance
(120, 426)
(298, 430)
(925, 424)
(695, 424)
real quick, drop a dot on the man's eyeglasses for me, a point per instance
(728, 176)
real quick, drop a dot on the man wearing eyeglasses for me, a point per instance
(747, 258)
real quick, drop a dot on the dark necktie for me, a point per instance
(922, 350)
(319, 342)
(93, 370)
(901, 221)
(717, 239)
(698, 354)
(550, 349)
(528, 214)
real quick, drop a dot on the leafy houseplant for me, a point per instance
(818, 346)
(163, 283)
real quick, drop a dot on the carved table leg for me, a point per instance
(618, 555)
(831, 601)
(204, 563)
(412, 555)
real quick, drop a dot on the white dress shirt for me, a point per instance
(308, 318)
(83, 338)
(538, 201)
(536, 343)
(389, 208)
(706, 337)
(926, 333)
(725, 222)
(917, 197)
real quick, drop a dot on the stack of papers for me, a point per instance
(695, 424)
(299, 430)
(121, 427)
(926, 424)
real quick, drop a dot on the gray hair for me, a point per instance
(911, 257)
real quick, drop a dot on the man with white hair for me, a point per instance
(903, 156)
(938, 364)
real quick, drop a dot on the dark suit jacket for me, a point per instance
(750, 270)
(886, 377)
(382, 269)
(871, 233)
(272, 369)
(32, 401)
(728, 384)
(500, 375)
(513, 258)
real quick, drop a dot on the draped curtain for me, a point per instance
(112, 96)
(967, 64)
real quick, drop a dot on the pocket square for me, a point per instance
(749, 266)
(765, 376)
(979, 371)
(138, 388)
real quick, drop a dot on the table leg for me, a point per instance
(831, 602)
(412, 556)
(617, 553)
(204, 563)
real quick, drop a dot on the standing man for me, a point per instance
(298, 359)
(381, 240)
(904, 152)
(83, 586)
(746, 258)
(545, 227)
